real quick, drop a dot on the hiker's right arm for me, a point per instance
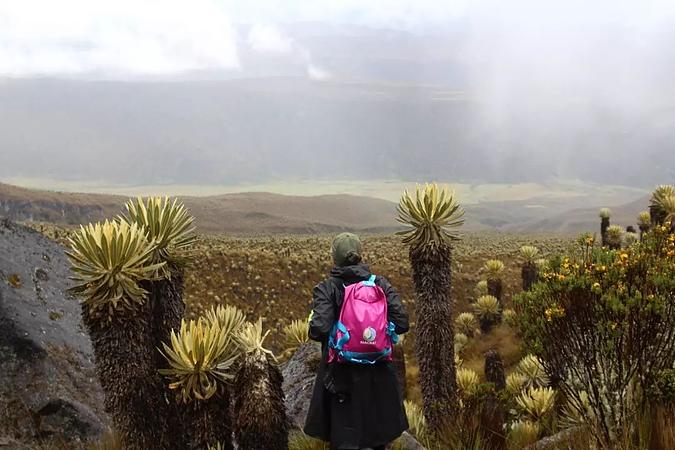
(322, 317)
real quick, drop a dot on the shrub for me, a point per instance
(575, 411)
(509, 316)
(416, 420)
(109, 260)
(167, 225)
(529, 252)
(614, 236)
(603, 324)
(467, 382)
(461, 341)
(663, 388)
(644, 220)
(481, 288)
(630, 238)
(537, 402)
(487, 310)
(486, 306)
(662, 196)
(532, 370)
(202, 357)
(515, 382)
(493, 267)
(466, 323)
(296, 333)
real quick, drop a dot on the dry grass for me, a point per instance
(272, 278)
(501, 338)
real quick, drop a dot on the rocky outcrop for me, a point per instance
(299, 373)
(48, 387)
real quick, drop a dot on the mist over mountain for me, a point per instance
(326, 101)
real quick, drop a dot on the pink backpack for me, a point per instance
(362, 334)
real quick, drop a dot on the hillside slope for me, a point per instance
(247, 213)
(266, 213)
(586, 219)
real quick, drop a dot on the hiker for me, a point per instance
(357, 400)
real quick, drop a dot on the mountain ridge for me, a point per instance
(239, 213)
(250, 213)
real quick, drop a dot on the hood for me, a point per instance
(351, 274)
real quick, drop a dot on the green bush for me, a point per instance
(663, 388)
(603, 324)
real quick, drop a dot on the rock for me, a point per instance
(47, 378)
(299, 374)
(407, 442)
(564, 439)
(70, 418)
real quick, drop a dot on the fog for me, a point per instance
(481, 91)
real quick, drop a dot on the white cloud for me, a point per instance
(269, 39)
(420, 14)
(131, 37)
(118, 38)
(316, 73)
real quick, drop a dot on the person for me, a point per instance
(353, 406)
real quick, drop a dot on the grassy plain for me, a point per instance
(272, 277)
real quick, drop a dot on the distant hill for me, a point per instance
(586, 219)
(246, 213)
(267, 213)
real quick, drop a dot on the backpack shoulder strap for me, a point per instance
(370, 281)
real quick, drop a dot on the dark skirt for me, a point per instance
(366, 409)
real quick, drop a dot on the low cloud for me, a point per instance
(269, 39)
(316, 73)
(114, 38)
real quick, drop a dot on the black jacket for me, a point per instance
(366, 409)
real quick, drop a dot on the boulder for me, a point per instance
(564, 439)
(48, 385)
(299, 374)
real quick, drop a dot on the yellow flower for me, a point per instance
(552, 313)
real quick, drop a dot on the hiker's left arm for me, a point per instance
(395, 309)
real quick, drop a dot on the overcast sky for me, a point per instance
(537, 83)
(120, 38)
